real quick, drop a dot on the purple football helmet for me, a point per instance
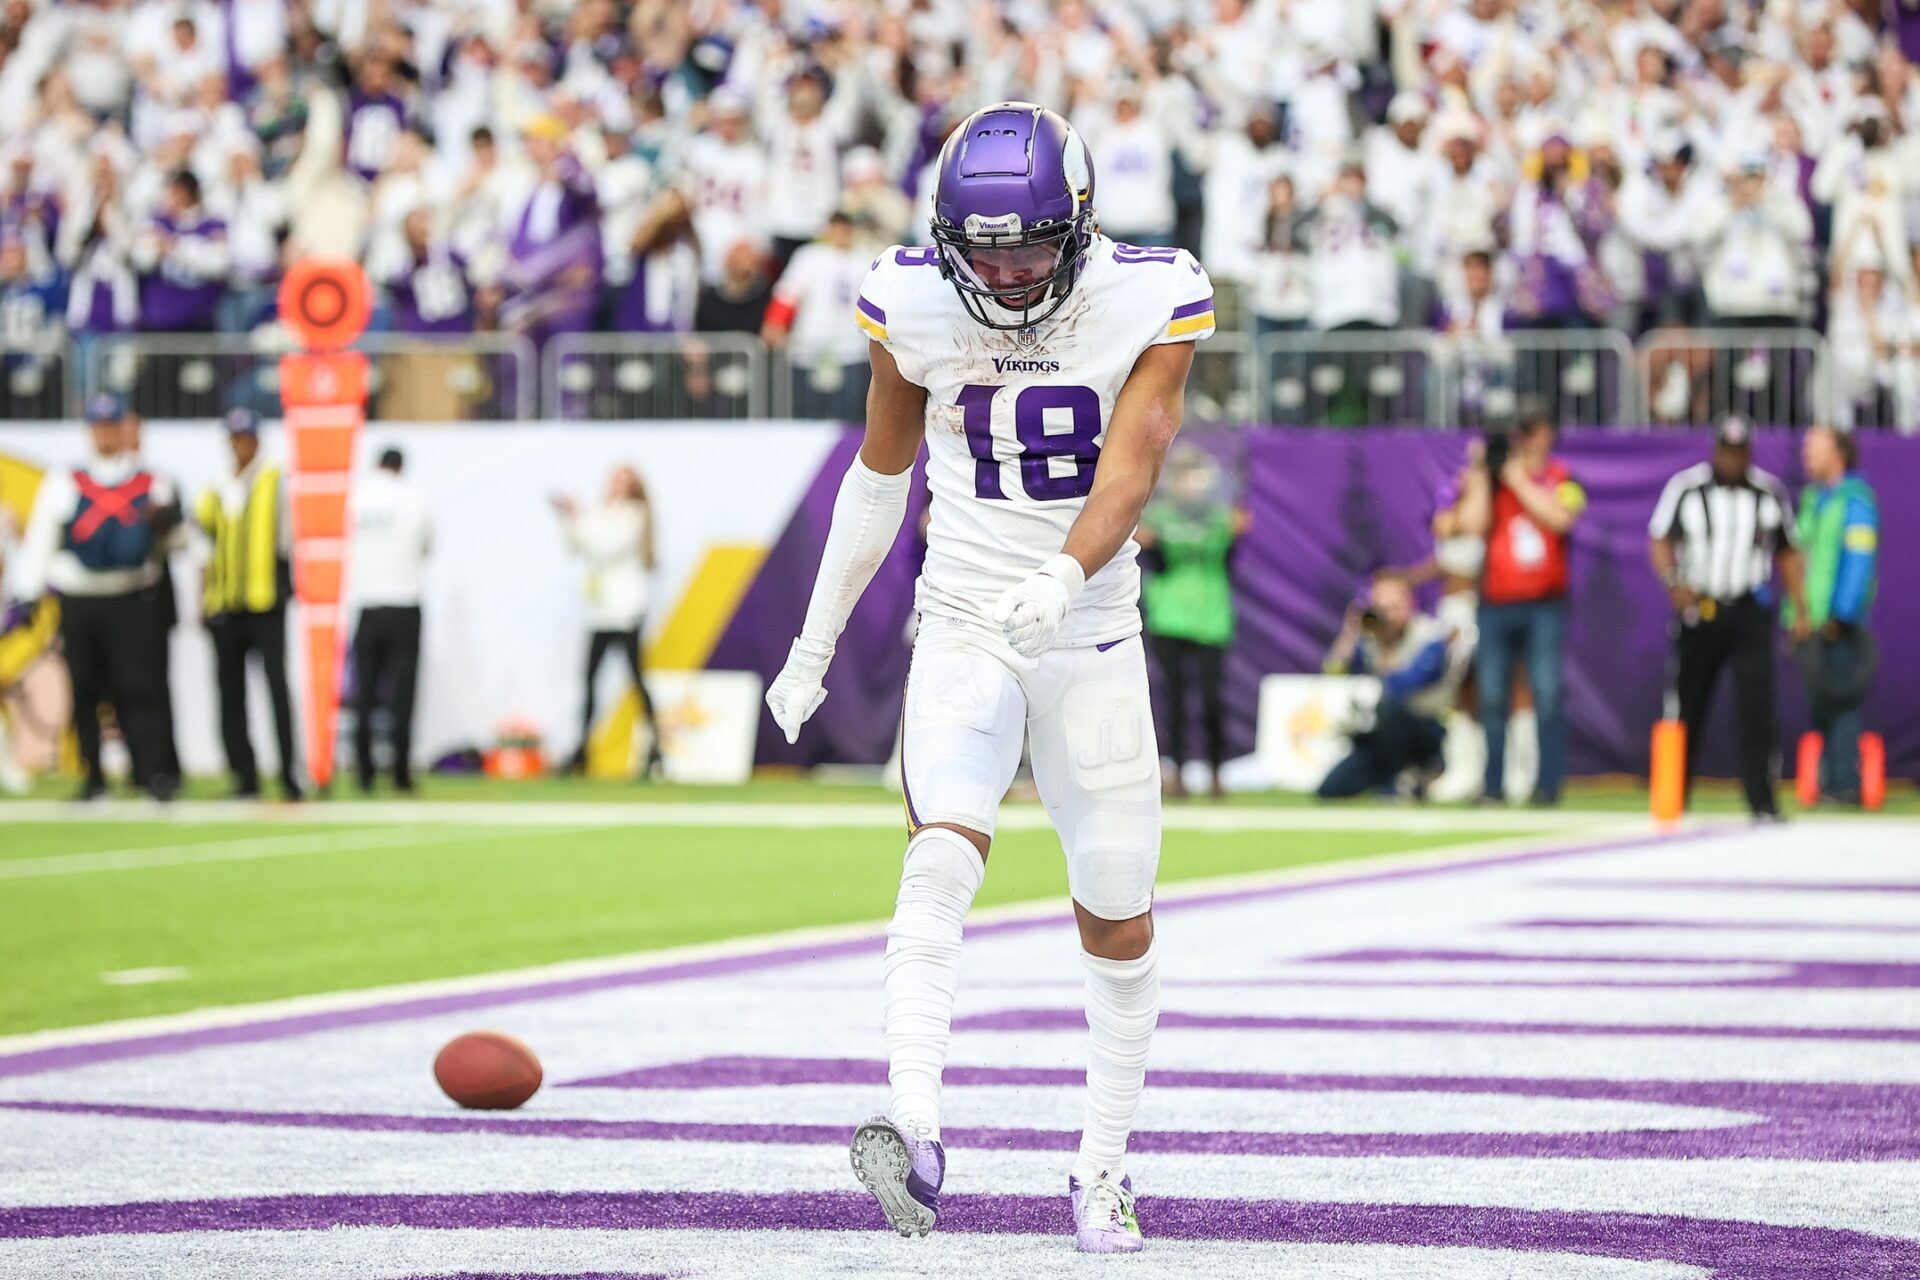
(1013, 213)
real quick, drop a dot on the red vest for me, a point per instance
(1525, 561)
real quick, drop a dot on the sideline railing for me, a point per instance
(622, 376)
(481, 377)
(1592, 377)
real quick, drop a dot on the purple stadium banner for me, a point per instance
(1331, 505)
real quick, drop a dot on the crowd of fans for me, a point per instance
(1465, 166)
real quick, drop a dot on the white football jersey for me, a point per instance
(1015, 420)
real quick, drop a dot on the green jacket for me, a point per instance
(1840, 534)
(1191, 597)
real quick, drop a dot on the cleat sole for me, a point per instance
(881, 1162)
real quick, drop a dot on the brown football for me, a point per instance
(487, 1071)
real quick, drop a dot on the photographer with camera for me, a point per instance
(1390, 638)
(1527, 512)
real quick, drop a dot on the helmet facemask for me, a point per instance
(1011, 280)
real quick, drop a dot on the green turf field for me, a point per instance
(231, 904)
(267, 906)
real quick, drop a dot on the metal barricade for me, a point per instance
(1868, 391)
(1768, 376)
(1223, 386)
(1347, 378)
(466, 377)
(187, 375)
(484, 377)
(1583, 377)
(37, 381)
(622, 376)
(822, 389)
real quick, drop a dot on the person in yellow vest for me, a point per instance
(244, 599)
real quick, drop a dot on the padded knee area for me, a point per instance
(1113, 858)
(942, 871)
(1113, 883)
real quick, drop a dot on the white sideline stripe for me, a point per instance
(180, 855)
(1013, 817)
(645, 961)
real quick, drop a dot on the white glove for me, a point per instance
(1031, 611)
(796, 693)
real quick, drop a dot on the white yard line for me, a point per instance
(280, 846)
(143, 977)
(643, 961)
(1014, 817)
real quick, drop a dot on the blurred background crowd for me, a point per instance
(1467, 167)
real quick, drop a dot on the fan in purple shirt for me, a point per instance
(554, 256)
(375, 118)
(31, 214)
(430, 295)
(182, 258)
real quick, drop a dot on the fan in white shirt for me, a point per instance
(1399, 169)
(392, 534)
(803, 133)
(808, 316)
(725, 175)
(1133, 155)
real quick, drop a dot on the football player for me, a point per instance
(1044, 367)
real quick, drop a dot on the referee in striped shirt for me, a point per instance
(1718, 531)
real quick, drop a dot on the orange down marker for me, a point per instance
(325, 303)
(1668, 776)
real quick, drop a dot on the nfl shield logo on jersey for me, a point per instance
(1028, 339)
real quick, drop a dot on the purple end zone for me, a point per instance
(1723, 926)
(1727, 1250)
(1788, 1120)
(1075, 1020)
(65, 1057)
(1747, 886)
(1794, 974)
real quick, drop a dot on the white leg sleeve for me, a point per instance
(942, 873)
(1123, 1006)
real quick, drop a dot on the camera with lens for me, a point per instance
(1370, 619)
(1497, 446)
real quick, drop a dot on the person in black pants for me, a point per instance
(1737, 635)
(386, 669)
(627, 645)
(167, 615)
(392, 535)
(615, 539)
(244, 601)
(1716, 535)
(108, 644)
(96, 539)
(1187, 537)
(235, 635)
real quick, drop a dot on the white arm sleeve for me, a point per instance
(866, 518)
